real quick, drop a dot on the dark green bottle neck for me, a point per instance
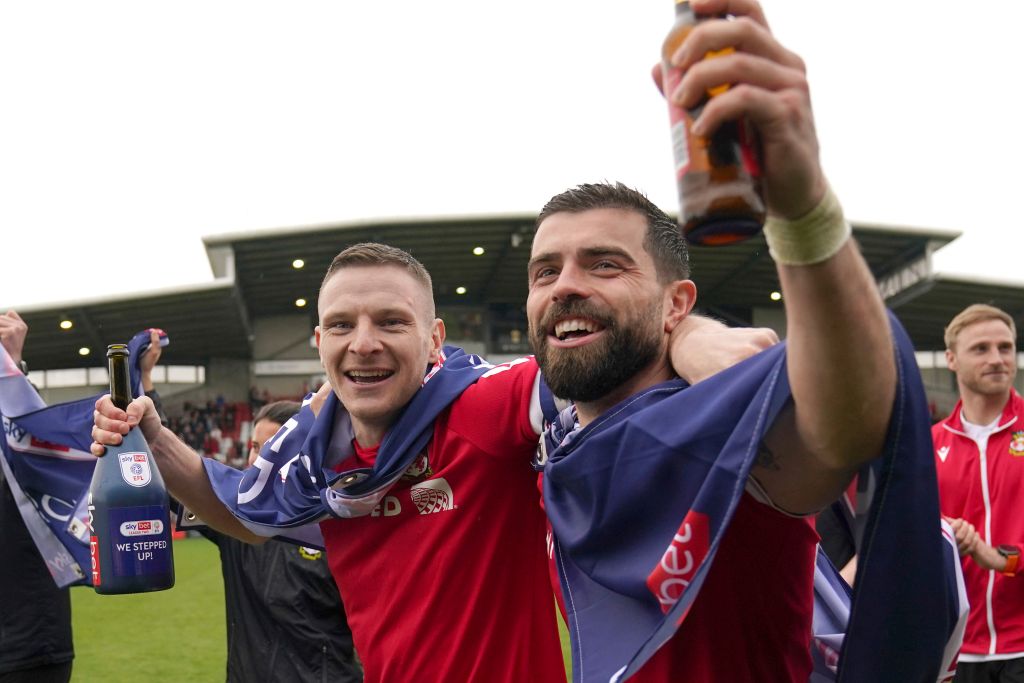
(120, 386)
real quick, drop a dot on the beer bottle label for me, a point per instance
(135, 468)
(140, 540)
(680, 126)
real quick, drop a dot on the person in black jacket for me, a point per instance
(284, 615)
(35, 615)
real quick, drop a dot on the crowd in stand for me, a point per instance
(219, 429)
(216, 429)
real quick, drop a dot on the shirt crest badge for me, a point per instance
(1017, 444)
(419, 469)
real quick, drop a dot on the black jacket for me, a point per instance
(284, 615)
(35, 615)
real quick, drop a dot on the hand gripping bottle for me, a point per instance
(130, 534)
(718, 177)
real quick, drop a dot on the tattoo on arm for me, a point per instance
(766, 459)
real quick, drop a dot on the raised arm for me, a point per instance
(181, 467)
(840, 355)
(13, 331)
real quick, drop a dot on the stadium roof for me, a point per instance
(255, 277)
(926, 307)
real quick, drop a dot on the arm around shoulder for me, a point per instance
(186, 479)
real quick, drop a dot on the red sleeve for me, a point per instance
(494, 413)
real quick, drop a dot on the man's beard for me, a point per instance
(990, 387)
(590, 372)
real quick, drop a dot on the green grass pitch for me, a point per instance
(175, 635)
(172, 635)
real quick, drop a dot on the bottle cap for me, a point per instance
(117, 350)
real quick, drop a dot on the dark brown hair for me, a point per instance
(278, 411)
(664, 240)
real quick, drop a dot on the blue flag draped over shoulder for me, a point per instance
(293, 485)
(668, 466)
(48, 467)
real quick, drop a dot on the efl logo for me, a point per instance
(678, 565)
(135, 469)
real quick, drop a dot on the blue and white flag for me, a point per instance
(620, 610)
(293, 484)
(48, 467)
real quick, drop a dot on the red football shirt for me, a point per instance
(751, 621)
(446, 580)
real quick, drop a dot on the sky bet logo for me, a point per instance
(14, 431)
(679, 564)
(142, 527)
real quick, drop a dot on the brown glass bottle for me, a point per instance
(718, 177)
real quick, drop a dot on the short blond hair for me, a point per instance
(976, 313)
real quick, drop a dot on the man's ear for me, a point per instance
(680, 296)
(316, 336)
(436, 339)
(950, 360)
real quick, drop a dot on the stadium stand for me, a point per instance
(247, 334)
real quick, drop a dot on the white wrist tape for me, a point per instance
(812, 238)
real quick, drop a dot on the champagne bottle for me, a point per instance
(129, 520)
(718, 176)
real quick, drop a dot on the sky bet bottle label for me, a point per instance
(139, 541)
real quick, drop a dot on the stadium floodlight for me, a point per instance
(298, 263)
(66, 324)
(460, 290)
(478, 251)
(300, 302)
(84, 351)
(775, 296)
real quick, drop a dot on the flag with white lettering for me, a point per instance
(696, 445)
(293, 484)
(48, 467)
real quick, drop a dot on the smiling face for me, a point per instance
(984, 358)
(599, 317)
(376, 338)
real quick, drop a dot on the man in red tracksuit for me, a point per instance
(979, 455)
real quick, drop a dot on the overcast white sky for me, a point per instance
(158, 123)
